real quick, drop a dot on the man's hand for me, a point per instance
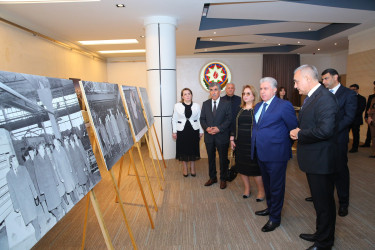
(294, 133)
(174, 135)
(214, 130)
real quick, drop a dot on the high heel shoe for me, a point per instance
(259, 199)
(185, 175)
(193, 174)
(246, 196)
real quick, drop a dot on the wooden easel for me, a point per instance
(138, 148)
(161, 152)
(111, 171)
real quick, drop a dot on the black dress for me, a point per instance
(187, 143)
(242, 130)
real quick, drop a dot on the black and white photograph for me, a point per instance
(46, 161)
(146, 105)
(108, 115)
(134, 108)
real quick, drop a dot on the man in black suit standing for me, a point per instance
(347, 108)
(358, 119)
(216, 118)
(317, 144)
(368, 135)
(234, 100)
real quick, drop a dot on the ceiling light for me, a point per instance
(318, 49)
(279, 44)
(118, 41)
(309, 29)
(298, 42)
(142, 36)
(335, 43)
(43, 1)
(214, 32)
(122, 51)
(120, 5)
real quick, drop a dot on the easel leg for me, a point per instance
(142, 192)
(153, 163)
(130, 162)
(161, 153)
(148, 180)
(122, 209)
(85, 223)
(156, 153)
(99, 216)
(119, 175)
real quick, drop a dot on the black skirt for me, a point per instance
(187, 144)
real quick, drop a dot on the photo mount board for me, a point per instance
(108, 116)
(146, 104)
(134, 108)
(36, 110)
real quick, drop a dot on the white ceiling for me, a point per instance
(72, 22)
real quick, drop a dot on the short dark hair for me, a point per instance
(330, 71)
(354, 86)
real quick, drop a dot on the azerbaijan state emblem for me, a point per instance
(215, 72)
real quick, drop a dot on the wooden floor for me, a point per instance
(192, 216)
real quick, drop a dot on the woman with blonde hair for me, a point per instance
(240, 140)
(187, 131)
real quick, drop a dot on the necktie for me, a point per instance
(304, 101)
(214, 109)
(263, 111)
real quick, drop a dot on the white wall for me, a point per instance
(127, 73)
(337, 61)
(24, 53)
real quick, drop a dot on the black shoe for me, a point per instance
(308, 237)
(343, 211)
(246, 196)
(353, 150)
(318, 248)
(264, 212)
(365, 146)
(372, 156)
(185, 175)
(309, 199)
(193, 174)
(270, 226)
(259, 199)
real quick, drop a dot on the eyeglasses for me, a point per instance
(246, 93)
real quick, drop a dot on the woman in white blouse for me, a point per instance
(187, 131)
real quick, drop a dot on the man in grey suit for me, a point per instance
(316, 151)
(216, 118)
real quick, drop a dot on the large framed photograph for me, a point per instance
(46, 161)
(146, 104)
(134, 108)
(104, 104)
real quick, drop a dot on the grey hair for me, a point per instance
(308, 69)
(215, 84)
(271, 80)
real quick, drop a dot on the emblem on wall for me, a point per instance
(215, 72)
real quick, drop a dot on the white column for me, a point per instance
(161, 73)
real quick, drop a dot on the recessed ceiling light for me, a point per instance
(205, 49)
(120, 5)
(142, 36)
(309, 29)
(318, 49)
(122, 51)
(298, 42)
(118, 41)
(214, 32)
(210, 39)
(335, 43)
(279, 44)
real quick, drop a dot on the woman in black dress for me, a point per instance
(187, 131)
(240, 140)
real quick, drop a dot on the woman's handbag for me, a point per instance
(232, 173)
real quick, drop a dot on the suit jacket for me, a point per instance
(347, 100)
(317, 139)
(179, 119)
(222, 120)
(361, 106)
(271, 135)
(368, 104)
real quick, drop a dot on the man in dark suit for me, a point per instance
(234, 100)
(316, 149)
(358, 119)
(368, 135)
(216, 117)
(271, 145)
(347, 100)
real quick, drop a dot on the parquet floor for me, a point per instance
(191, 216)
